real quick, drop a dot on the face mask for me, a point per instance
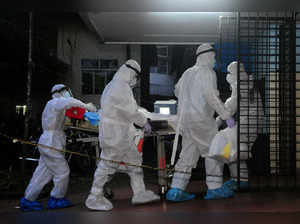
(211, 59)
(66, 94)
(133, 83)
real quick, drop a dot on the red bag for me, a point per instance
(140, 145)
(75, 112)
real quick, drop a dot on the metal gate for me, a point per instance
(267, 45)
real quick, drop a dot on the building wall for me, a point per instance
(76, 42)
(298, 92)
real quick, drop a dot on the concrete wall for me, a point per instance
(76, 42)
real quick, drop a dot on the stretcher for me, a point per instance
(163, 127)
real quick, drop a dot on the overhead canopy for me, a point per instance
(153, 5)
(167, 21)
(151, 21)
(183, 5)
(154, 27)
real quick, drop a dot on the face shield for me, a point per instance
(64, 92)
(212, 58)
(246, 81)
(136, 76)
(207, 54)
(204, 48)
(67, 93)
(134, 82)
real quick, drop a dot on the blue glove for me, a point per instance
(147, 128)
(230, 122)
(93, 117)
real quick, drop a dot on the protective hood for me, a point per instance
(60, 90)
(205, 55)
(233, 67)
(246, 81)
(128, 72)
(231, 77)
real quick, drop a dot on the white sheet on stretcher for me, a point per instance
(172, 119)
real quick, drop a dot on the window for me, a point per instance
(99, 82)
(87, 82)
(89, 63)
(162, 59)
(162, 51)
(96, 74)
(161, 81)
(21, 110)
(162, 65)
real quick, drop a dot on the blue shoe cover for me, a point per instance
(54, 203)
(222, 192)
(26, 205)
(175, 194)
(51, 203)
(233, 185)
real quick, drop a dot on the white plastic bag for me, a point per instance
(224, 146)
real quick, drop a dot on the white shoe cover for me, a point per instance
(98, 203)
(144, 197)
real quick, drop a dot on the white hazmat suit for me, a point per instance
(251, 118)
(198, 100)
(52, 164)
(116, 137)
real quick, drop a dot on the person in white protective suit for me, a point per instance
(250, 120)
(116, 136)
(198, 100)
(52, 164)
